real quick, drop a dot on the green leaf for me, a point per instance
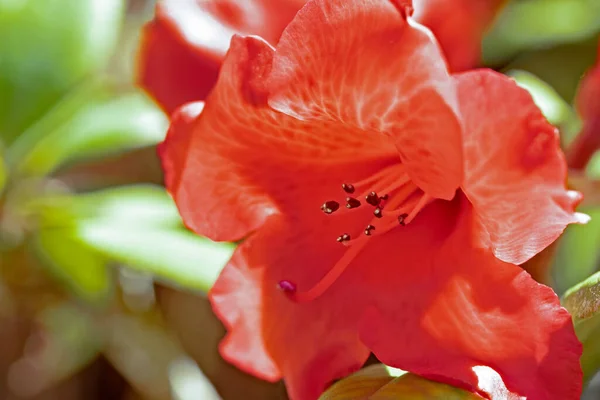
(583, 302)
(142, 205)
(178, 256)
(103, 124)
(377, 382)
(81, 269)
(47, 47)
(137, 226)
(540, 23)
(578, 252)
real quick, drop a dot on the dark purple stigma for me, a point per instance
(287, 286)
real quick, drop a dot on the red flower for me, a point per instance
(183, 47)
(467, 180)
(588, 105)
(459, 25)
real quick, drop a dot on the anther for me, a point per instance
(343, 238)
(378, 212)
(287, 286)
(368, 230)
(384, 197)
(373, 199)
(330, 207)
(351, 202)
(402, 218)
(348, 188)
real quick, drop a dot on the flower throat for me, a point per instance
(395, 201)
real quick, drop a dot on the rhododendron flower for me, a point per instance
(385, 204)
(588, 105)
(459, 25)
(183, 47)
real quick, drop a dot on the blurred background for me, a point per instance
(102, 289)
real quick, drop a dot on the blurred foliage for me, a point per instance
(98, 276)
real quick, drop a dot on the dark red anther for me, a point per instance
(368, 230)
(343, 238)
(287, 286)
(378, 212)
(373, 199)
(330, 207)
(348, 188)
(351, 202)
(401, 219)
(384, 197)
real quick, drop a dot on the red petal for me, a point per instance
(364, 64)
(240, 161)
(459, 26)
(515, 171)
(460, 308)
(309, 344)
(422, 302)
(183, 47)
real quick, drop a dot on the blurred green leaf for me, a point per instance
(103, 124)
(593, 167)
(142, 205)
(82, 270)
(378, 382)
(178, 256)
(138, 226)
(578, 252)
(47, 47)
(540, 23)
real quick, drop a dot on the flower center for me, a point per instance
(395, 201)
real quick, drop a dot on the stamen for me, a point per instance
(373, 199)
(368, 229)
(329, 207)
(325, 283)
(351, 202)
(343, 238)
(402, 219)
(378, 212)
(348, 188)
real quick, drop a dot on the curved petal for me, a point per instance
(515, 171)
(366, 64)
(239, 161)
(182, 48)
(459, 26)
(269, 336)
(462, 310)
(588, 104)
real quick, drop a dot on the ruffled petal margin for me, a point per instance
(515, 171)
